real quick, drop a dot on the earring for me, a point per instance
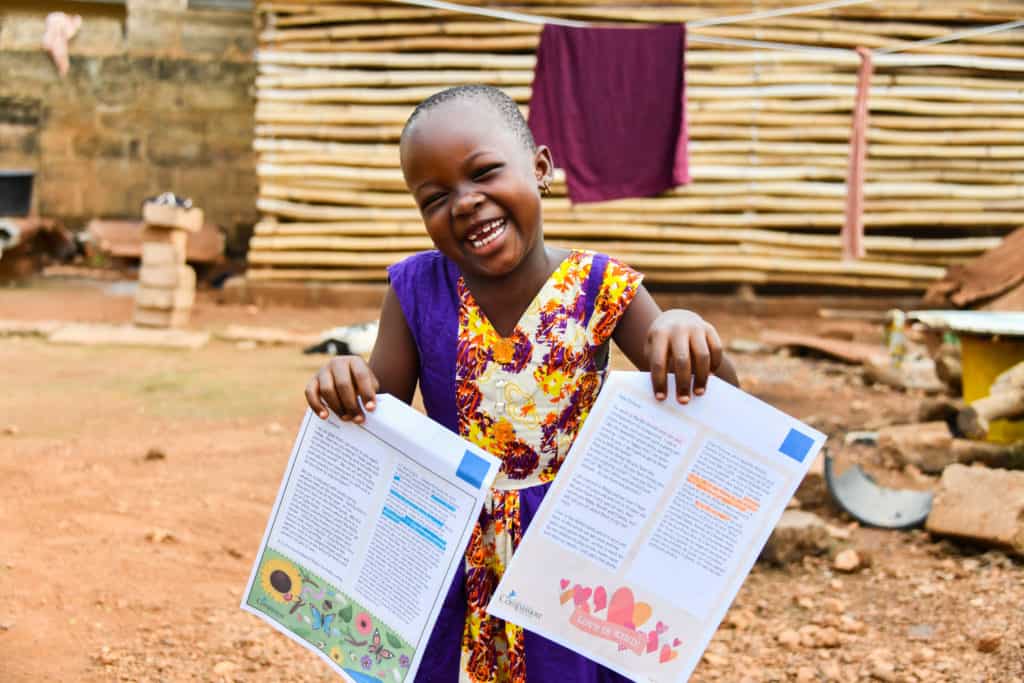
(545, 187)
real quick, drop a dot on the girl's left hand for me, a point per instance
(684, 343)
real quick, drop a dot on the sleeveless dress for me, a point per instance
(522, 398)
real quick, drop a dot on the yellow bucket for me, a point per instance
(983, 358)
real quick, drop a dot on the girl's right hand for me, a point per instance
(339, 385)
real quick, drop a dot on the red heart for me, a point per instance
(652, 641)
(620, 609)
(676, 642)
(660, 628)
(600, 598)
(580, 595)
(564, 583)
(667, 654)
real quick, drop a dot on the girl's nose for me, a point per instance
(467, 203)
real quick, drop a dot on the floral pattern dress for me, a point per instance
(523, 398)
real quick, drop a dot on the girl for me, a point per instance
(508, 340)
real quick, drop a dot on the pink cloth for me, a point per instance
(852, 236)
(611, 105)
(60, 29)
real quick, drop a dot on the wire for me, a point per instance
(949, 37)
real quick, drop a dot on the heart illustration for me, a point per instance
(641, 613)
(566, 596)
(580, 595)
(620, 609)
(564, 583)
(667, 654)
(676, 642)
(600, 598)
(652, 641)
(661, 627)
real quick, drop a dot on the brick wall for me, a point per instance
(158, 97)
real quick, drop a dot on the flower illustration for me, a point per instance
(366, 663)
(403, 661)
(337, 655)
(364, 624)
(280, 579)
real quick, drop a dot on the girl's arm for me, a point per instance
(393, 369)
(672, 341)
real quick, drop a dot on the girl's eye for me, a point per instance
(485, 171)
(432, 200)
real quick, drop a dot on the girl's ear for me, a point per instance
(543, 165)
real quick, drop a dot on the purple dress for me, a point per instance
(466, 369)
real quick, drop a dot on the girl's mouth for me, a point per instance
(485, 233)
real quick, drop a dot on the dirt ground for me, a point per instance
(118, 566)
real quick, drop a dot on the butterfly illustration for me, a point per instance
(377, 647)
(321, 621)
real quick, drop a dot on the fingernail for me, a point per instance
(345, 418)
(359, 419)
(370, 405)
(699, 392)
(660, 396)
(323, 414)
(684, 399)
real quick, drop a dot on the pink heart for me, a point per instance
(676, 642)
(564, 583)
(580, 595)
(661, 628)
(600, 598)
(667, 654)
(620, 610)
(652, 641)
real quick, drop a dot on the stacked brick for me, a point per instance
(167, 286)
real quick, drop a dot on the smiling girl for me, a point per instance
(507, 339)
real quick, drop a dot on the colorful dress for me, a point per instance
(522, 398)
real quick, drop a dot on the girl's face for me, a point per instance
(477, 186)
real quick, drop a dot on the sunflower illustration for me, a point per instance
(281, 580)
(337, 655)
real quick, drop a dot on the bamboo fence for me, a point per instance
(768, 149)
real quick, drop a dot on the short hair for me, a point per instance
(504, 105)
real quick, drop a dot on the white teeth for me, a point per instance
(490, 231)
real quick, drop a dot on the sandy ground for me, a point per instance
(115, 566)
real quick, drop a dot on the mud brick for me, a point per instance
(150, 317)
(161, 235)
(164, 299)
(169, 216)
(982, 505)
(155, 254)
(167, 277)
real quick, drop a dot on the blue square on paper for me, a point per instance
(796, 445)
(472, 469)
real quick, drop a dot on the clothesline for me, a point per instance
(719, 21)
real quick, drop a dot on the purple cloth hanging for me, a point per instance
(611, 105)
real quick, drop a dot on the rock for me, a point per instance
(106, 657)
(982, 505)
(155, 454)
(812, 490)
(921, 632)
(989, 642)
(225, 667)
(928, 445)
(789, 639)
(11, 430)
(160, 536)
(847, 561)
(806, 674)
(798, 533)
